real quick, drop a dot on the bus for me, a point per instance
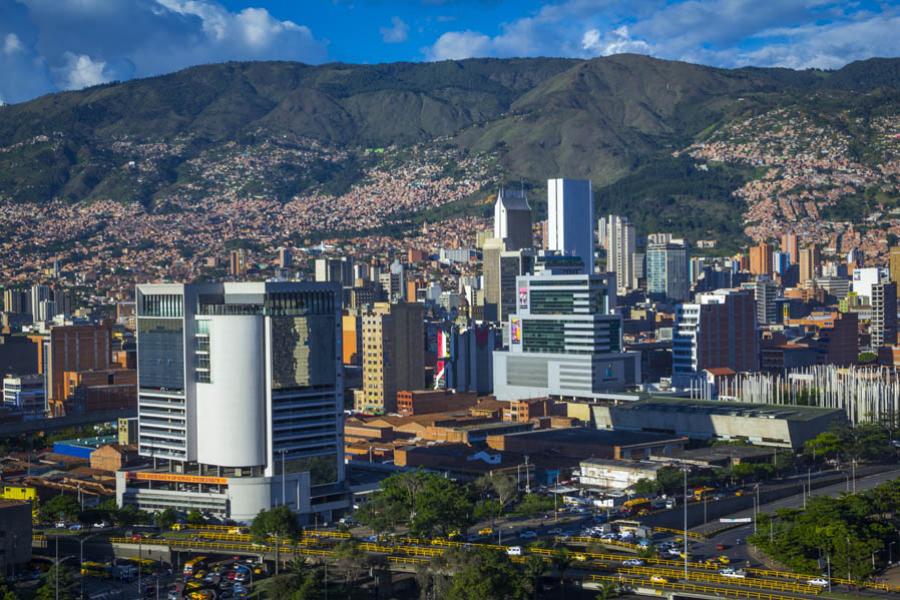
(638, 506)
(95, 569)
(194, 565)
(702, 492)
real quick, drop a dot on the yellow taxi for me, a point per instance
(658, 579)
(580, 557)
(724, 560)
(486, 531)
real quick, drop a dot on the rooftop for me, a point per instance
(606, 437)
(734, 409)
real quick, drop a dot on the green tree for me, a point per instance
(486, 575)
(278, 521)
(533, 504)
(503, 485)
(426, 503)
(6, 592)
(195, 517)
(66, 582)
(562, 562)
(60, 507)
(646, 487)
(827, 444)
(350, 561)
(533, 570)
(670, 480)
(165, 519)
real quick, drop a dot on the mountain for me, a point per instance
(314, 127)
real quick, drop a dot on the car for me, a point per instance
(818, 581)
(658, 579)
(734, 573)
(554, 531)
(580, 557)
(721, 547)
(739, 542)
(211, 577)
(101, 525)
(173, 595)
(724, 560)
(645, 543)
(528, 535)
(75, 527)
(514, 551)
(633, 562)
(673, 552)
(61, 525)
(486, 531)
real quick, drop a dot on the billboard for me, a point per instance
(515, 335)
(523, 298)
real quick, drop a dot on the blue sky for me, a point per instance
(53, 45)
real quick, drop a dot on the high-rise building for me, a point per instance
(25, 394)
(765, 293)
(39, 293)
(80, 347)
(512, 219)
(719, 330)
(240, 397)
(667, 271)
(894, 267)
(809, 264)
(883, 327)
(15, 301)
(570, 216)
(285, 258)
(789, 244)
(337, 270)
(490, 263)
(865, 279)
(512, 265)
(620, 244)
(761, 259)
(465, 358)
(563, 340)
(393, 340)
(237, 262)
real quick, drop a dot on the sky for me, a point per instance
(54, 45)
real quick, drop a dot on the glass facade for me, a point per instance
(322, 469)
(303, 351)
(543, 336)
(552, 302)
(162, 305)
(161, 355)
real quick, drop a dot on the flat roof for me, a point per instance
(624, 464)
(726, 451)
(606, 437)
(735, 409)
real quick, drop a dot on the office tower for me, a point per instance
(393, 339)
(791, 247)
(781, 263)
(25, 394)
(601, 233)
(894, 267)
(659, 238)
(285, 258)
(695, 268)
(237, 262)
(39, 293)
(47, 309)
(15, 301)
(620, 245)
(337, 270)
(490, 264)
(761, 259)
(396, 287)
(563, 341)
(240, 399)
(855, 259)
(639, 270)
(667, 271)
(765, 292)
(570, 215)
(512, 265)
(81, 347)
(466, 357)
(512, 219)
(883, 327)
(809, 264)
(719, 330)
(864, 281)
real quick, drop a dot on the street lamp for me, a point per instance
(685, 472)
(81, 541)
(56, 563)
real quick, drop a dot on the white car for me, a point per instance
(633, 562)
(735, 573)
(674, 552)
(818, 581)
(514, 551)
(528, 535)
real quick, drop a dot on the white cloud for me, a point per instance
(81, 71)
(457, 45)
(398, 31)
(616, 41)
(12, 44)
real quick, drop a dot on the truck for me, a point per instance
(701, 492)
(638, 506)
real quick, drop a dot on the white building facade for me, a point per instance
(570, 218)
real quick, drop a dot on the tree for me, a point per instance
(66, 584)
(562, 562)
(426, 503)
(670, 480)
(504, 486)
(533, 504)
(533, 570)
(60, 507)
(166, 518)
(195, 517)
(5, 592)
(278, 521)
(351, 561)
(646, 487)
(826, 444)
(485, 575)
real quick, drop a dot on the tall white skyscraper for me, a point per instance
(39, 293)
(570, 218)
(620, 244)
(240, 399)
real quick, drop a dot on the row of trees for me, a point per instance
(67, 508)
(854, 533)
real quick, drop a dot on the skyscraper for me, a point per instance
(490, 264)
(570, 216)
(39, 293)
(620, 244)
(393, 339)
(513, 264)
(512, 219)
(338, 270)
(240, 397)
(667, 271)
(883, 327)
(894, 266)
(809, 264)
(765, 293)
(761, 259)
(563, 341)
(789, 244)
(237, 262)
(717, 331)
